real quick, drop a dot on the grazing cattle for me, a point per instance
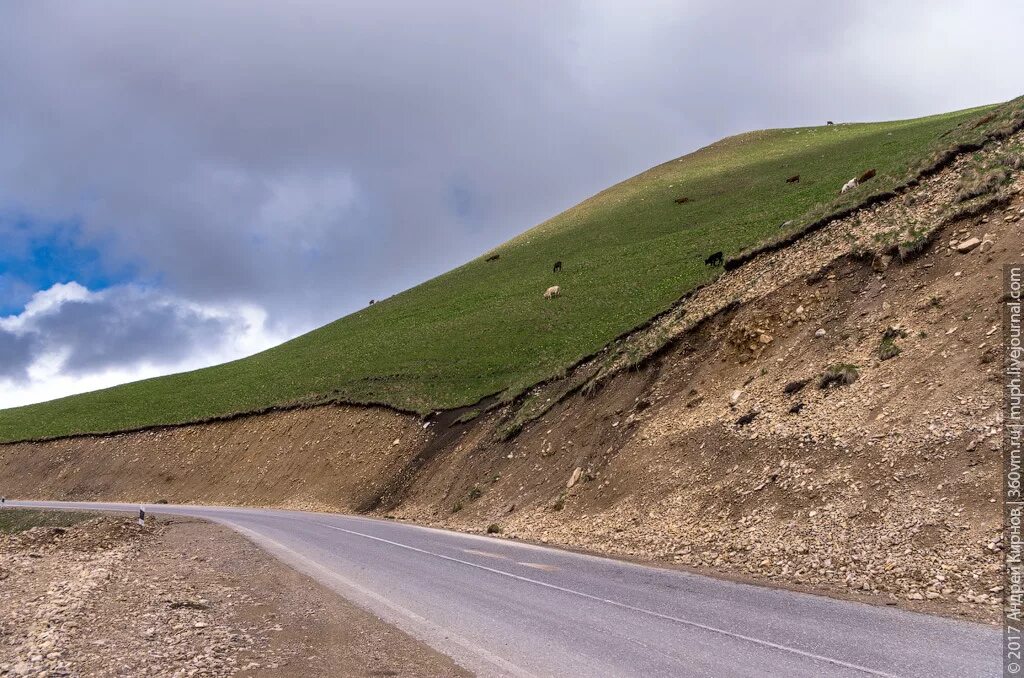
(494, 257)
(793, 179)
(682, 201)
(849, 186)
(372, 302)
(552, 292)
(870, 174)
(829, 123)
(557, 267)
(715, 259)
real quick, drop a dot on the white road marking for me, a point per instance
(625, 606)
(485, 554)
(541, 566)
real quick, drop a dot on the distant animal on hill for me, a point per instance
(372, 302)
(793, 179)
(715, 259)
(849, 186)
(829, 123)
(557, 267)
(870, 174)
(681, 201)
(552, 292)
(494, 257)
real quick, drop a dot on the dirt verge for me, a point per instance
(181, 597)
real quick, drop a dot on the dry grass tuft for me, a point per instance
(982, 182)
(840, 374)
(887, 348)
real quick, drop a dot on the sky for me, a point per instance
(190, 182)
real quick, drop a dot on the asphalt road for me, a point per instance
(502, 608)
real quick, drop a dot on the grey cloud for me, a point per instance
(128, 328)
(16, 353)
(122, 327)
(306, 156)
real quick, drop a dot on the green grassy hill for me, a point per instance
(484, 328)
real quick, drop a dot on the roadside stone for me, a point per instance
(574, 478)
(967, 245)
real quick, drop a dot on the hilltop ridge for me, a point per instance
(484, 329)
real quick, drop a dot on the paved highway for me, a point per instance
(502, 608)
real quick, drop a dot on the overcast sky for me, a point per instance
(183, 183)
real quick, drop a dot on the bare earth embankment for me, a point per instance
(825, 417)
(106, 597)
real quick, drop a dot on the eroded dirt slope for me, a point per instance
(725, 452)
(336, 457)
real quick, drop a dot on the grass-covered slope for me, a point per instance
(484, 327)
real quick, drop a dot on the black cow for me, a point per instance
(716, 259)
(829, 123)
(557, 267)
(494, 257)
(795, 179)
(372, 302)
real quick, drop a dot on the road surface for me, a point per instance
(502, 608)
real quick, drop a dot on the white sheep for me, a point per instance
(849, 185)
(553, 291)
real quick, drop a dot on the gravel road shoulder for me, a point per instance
(181, 597)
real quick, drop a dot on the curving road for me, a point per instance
(503, 608)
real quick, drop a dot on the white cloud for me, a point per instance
(71, 340)
(42, 303)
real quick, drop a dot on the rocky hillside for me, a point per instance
(825, 416)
